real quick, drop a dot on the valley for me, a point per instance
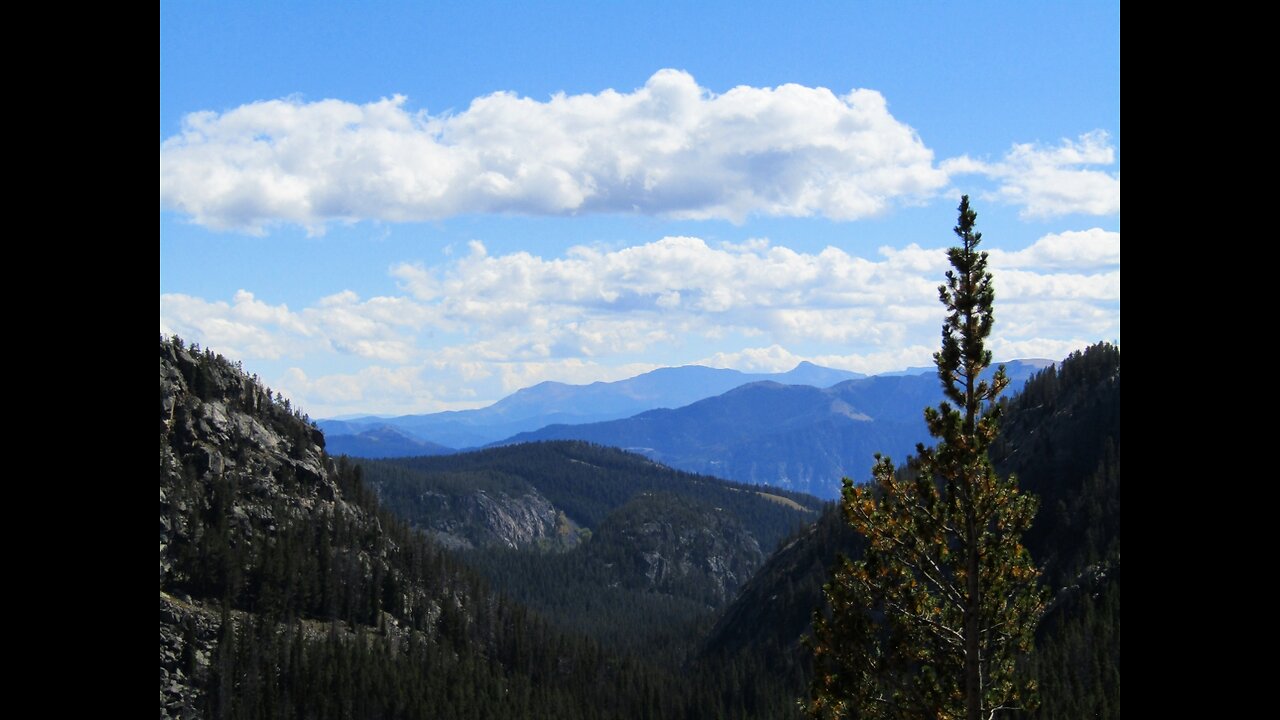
(521, 567)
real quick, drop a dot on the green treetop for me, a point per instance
(930, 623)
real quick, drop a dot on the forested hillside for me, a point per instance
(584, 482)
(1062, 438)
(286, 590)
(1061, 435)
(636, 555)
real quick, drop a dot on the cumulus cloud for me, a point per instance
(1041, 348)
(670, 148)
(776, 358)
(248, 327)
(378, 385)
(603, 302)
(773, 358)
(244, 327)
(1078, 250)
(446, 381)
(1052, 181)
(481, 325)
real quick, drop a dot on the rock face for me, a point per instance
(483, 518)
(259, 525)
(187, 638)
(288, 590)
(220, 425)
(223, 439)
(636, 539)
(680, 548)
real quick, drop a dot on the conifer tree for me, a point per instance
(932, 621)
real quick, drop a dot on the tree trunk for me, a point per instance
(972, 644)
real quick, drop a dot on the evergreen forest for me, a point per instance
(560, 579)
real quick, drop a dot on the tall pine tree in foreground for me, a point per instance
(931, 623)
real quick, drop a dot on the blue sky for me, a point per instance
(392, 207)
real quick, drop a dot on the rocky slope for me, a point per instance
(670, 546)
(234, 465)
(610, 544)
(237, 468)
(286, 591)
(238, 436)
(483, 518)
(545, 494)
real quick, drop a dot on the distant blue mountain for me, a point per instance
(797, 437)
(1034, 363)
(381, 442)
(909, 371)
(551, 403)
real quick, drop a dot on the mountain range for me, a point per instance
(797, 437)
(803, 430)
(549, 403)
(601, 541)
(381, 441)
(597, 584)
(1061, 437)
(288, 590)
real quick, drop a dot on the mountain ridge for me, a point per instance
(796, 437)
(286, 590)
(382, 441)
(289, 589)
(552, 402)
(1061, 436)
(633, 554)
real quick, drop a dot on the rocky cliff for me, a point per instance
(234, 465)
(484, 518)
(673, 546)
(263, 536)
(219, 426)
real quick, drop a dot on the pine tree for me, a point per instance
(932, 622)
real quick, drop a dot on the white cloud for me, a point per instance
(1041, 348)
(1052, 181)
(670, 148)
(774, 358)
(377, 329)
(1081, 250)
(1026, 286)
(1057, 319)
(388, 389)
(886, 360)
(593, 302)
(446, 381)
(571, 370)
(481, 325)
(245, 327)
